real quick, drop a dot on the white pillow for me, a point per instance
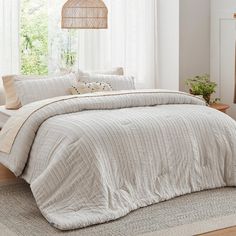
(115, 81)
(35, 90)
(114, 71)
(12, 100)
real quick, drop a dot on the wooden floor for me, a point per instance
(224, 232)
(6, 175)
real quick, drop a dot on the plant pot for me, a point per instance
(207, 98)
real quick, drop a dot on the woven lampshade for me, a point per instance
(84, 14)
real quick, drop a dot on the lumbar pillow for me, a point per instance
(116, 81)
(83, 87)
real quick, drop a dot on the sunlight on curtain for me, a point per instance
(9, 36)
(62, 43)
(130, 41)
(9, 40)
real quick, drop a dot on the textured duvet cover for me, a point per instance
(94, 158)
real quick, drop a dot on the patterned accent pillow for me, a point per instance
(83, 87)
(116, 81)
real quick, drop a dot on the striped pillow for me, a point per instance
(35, 90)
(21, 90)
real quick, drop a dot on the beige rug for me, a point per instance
(187, 215)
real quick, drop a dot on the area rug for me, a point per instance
(187, 215)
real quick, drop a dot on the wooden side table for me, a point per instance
(220, 107)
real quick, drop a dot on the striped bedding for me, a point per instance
(93, 159)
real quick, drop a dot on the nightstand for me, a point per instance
(220, 107)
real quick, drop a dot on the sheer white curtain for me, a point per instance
(9, 40)
(9, 36)
(62, 43)
(130, 41)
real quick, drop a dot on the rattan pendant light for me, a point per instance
(84, 14)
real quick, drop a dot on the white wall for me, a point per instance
(184, 41)
(168, 44)
(194, 39)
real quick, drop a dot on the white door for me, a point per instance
(227, 78)
(223, 41)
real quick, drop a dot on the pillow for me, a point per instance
(116, 82)
(82, 88)
(30, 91)
(17, 94)
(114, 71)
(12, 100)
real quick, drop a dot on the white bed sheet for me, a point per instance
(5, 115)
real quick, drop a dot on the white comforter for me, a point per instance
(92, 159)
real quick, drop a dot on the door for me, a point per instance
(227, 64)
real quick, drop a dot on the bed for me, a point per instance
(94, 158)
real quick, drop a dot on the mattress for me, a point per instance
(5, 115)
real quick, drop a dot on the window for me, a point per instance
(45, 48)
(129, 42)
(34, 37)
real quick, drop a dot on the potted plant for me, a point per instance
(202, 85)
